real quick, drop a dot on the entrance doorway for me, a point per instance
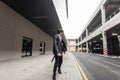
(27, 47)
(42, 47)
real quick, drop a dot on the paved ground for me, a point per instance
(38, 68)
(99, 67)
(109, 56)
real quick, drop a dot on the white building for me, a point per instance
(100, 34)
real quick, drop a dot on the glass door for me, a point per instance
(27, 47)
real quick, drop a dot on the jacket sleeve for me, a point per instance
(55, 42)
(64, 46)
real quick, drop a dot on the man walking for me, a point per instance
(59, 48)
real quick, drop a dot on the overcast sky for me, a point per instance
(80, 12)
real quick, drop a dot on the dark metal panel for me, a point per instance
(42, 13)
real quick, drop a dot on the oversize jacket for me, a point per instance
(59, 46)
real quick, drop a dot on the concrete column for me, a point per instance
(81, 38)
(90, 43)
(119, 40)
(87, 48)
(78, 40)
(103, 14)
(105, 49)
(81, 44)
(76, 48)
(81, 48)
(86, 32)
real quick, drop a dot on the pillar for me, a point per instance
(86, 32)
(81, 48)
(81, 45)
(119, 40)
(81, 37)
(87, 48)
(103, 15)
(105, 49)
(90, 50)
(76, 48)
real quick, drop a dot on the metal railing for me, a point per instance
(95, 28)
(107, 19)
(113, 14)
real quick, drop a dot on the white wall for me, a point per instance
(12, 29)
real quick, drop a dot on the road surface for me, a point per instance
(98, 67)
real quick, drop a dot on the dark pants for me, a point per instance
(58, 63)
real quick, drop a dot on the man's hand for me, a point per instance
(59, 54)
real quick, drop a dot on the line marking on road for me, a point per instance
(80, 69)
(102, 59)
(111, 63)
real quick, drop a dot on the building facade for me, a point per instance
(23, 33)
(72, 45)
(101, 33)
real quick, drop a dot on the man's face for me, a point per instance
(61, 33)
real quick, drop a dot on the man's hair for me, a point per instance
(59, 31)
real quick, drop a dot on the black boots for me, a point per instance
(54, 76)
(59, 71)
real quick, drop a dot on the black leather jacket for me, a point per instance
(58, 46)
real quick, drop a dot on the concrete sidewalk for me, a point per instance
(38, 68)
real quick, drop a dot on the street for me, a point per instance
(98, 67)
